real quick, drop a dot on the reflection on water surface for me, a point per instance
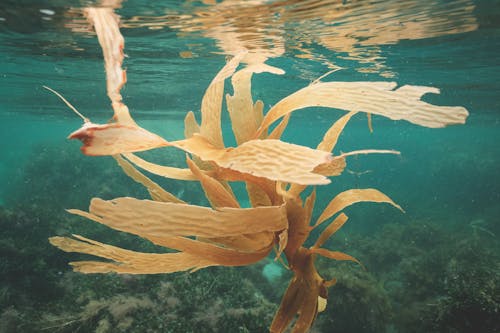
(354, 30)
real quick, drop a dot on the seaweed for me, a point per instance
(276, 175)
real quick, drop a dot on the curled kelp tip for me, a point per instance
(350, 197)
(166, 219)
(115, 138)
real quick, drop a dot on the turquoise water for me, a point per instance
(433, 269)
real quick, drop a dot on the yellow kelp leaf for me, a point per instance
(300, 298)
(337, 164)
(336, 255)
(331, 168)
(148, 218)
(241, 108)
(266, 185)
(216, 254)
(332, 135)
(373, 97)
(258, 110)
(290, 304)
(331, 229)
(282, 242)
(307, 312)
(191, 128)
(353, 196)
(298, 227)
(257, 195)
(259, 66)
(309, 206)
(211, 103)
(280, 128)
(115, 138)
(245, 116)
(246, 243)
(105, 23)
(276, 160)
(272, 159)
(160, 170)
(155, 190)
(190, 125)
(216, 193)
(126, 261)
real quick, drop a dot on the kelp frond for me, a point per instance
(275, 173)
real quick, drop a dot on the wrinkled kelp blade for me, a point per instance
(272, 159)
(334, 167)
(126, 261)
(147, 218)
(194, 255)
(215, 254)
(373, 97)
(353, 196)
(245, 243)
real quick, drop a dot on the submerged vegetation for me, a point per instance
(419, 276)
(277, 176)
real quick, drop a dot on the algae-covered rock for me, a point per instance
(472, 290)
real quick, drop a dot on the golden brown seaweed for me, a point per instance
(276, 174)
(155, 190)
(105, 23)
(350, 197)
(115, 138)
(152, 218)
(374, 97)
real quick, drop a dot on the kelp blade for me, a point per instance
(373, 97)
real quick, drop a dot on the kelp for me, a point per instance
(276, 174)
(380, 98)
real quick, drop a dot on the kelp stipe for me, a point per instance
(276, 174)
